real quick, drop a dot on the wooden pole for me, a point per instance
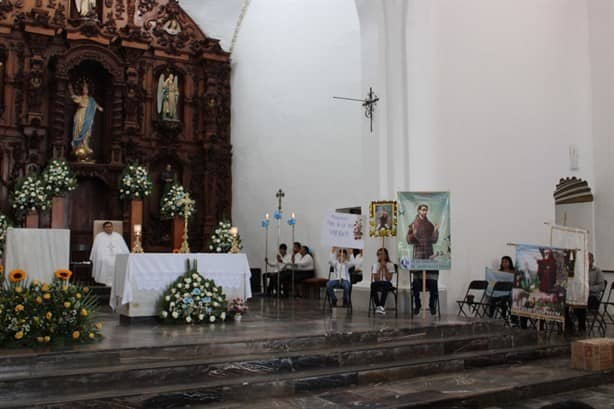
(424, 294)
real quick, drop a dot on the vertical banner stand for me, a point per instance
(424, 294)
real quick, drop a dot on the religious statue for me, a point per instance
(168, 96)
(172, 27)
(168, 176)
(83, 121)
(85, 8)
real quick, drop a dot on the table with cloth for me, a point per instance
(141, 279)
(39, 252)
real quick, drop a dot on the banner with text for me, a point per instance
(343, 230)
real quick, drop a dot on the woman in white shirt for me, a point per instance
(381, 274)
(341, 263)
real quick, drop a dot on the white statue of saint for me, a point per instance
(168, 96)
(107, 245)
(172, 27)
(85, 7)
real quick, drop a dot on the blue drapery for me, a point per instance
(90, 111)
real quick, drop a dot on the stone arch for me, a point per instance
(76, 55)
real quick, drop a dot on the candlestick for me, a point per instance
(137, 229)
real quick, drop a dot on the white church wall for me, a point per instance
(497, 93)
(601, 15)
(287, 132)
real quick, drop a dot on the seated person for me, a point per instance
(107, 244)
(341, 263)
(500, 297)
(304, 265)
(356, 271)
(431, 286)
(596, 285)
(381, 273)
(286, 273)
(282, 260)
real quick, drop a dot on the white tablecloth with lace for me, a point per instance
(140, 279)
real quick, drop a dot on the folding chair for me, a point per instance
(609, 302)
(595, 315)
(481, 309)
(503, 306)
(394, 291)
(470, 298)
(327, 300)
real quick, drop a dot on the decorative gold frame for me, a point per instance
(392, 231)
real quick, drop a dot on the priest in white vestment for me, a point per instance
(107, 245)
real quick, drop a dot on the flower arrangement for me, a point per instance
(40, 313)
(237, 307)
(193, 299)
(29, 195)
(221, 239)
(58, 178)
(173, 202)
(135, 183)
(4, 225)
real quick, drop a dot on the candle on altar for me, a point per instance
(293, 216)
(266, 216)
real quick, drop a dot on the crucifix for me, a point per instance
(279, 195)
(368, 103)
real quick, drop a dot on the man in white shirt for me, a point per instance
(282, 260)
(107, 245)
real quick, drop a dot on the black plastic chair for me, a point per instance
(394, 291)
(596, 316)
(609, 302)
(470, 300)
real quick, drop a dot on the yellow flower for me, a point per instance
(40, 340)
(39, 300)
(1, 269)
(76, 335)
(48, 315)
(47, 338)
(83, 312)
(63, 274)
(36, 283)
(92, 335)
(47, 296)
(86, 290)
(99, 325)
(19, 335)
(17, 275)
(67, 304)
(78, 295)
(64, 288)
(19, 308)
(18, 290)
(45, 288)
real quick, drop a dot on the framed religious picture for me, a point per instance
(424, 241)
(383, 219)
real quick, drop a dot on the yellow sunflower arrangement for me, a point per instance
(17, 276)
(63, 274)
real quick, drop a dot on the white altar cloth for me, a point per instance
(39, 252)
(141, 279)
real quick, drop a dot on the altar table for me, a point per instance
(141, 279)
(39, 252)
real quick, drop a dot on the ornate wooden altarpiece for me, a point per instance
(121, 49)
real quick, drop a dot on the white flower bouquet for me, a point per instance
(173, 203)
(58, 179)
(221, 239)
(29, 195)
(135, 183)
(193, 299)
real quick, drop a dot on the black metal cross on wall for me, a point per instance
(368, 103)
(279, 195)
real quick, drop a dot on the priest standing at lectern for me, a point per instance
(107, 245)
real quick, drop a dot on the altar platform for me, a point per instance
(283, 351)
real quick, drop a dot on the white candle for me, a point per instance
(266, 217)
(293, 215)
(137, 228)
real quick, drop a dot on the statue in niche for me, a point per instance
(83, 121)
(172, 27)
(85, 8)
(168, 176)
(168, 96)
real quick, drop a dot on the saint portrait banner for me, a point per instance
(424, 241)
(540, 281)
(343, 230)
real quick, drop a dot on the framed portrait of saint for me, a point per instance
(424, 240)
(383, 219)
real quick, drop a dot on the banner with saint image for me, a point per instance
(424, 241)
(541, 280)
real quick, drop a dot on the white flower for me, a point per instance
(215, 289)
(188, 319)
(179, 285)
(201, 317)
(212, 318)
(173, 290)
(206, 284)
(167, 298)
(216, 304)
(175, 314)
(164, 314)
(223, 316)
(219, 250)
(172, 304)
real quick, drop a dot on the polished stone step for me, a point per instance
(287, 383)
(31, 362)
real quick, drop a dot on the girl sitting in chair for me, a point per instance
(381, 274)
(340, 277)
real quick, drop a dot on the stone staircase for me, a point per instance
(227, 373)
